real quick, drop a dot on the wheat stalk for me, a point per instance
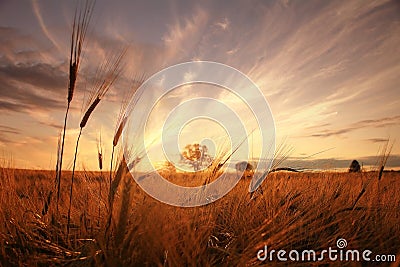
(386, 150)
(109, 71)
(122, 119)
(385, 153)
(124, 210)
(100, 153)
(100, 160)
(122, 116)
(121, 171)
(79, 29)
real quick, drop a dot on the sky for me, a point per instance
(328, 69)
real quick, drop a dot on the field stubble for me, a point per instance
(295, 211)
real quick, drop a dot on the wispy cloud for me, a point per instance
(377, 140)
(375, 123)
(184, 36)
(21, 96)
(8, 129)
(28, 79)
(223, 24)
(39, 16)
(41, 75)
(8, 133)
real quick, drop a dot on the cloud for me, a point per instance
(184, 36)
(38, 74)
(52, 124)
(29, 79)
(5, 131)
(18, 93)
(393, 160)
(313, 127)
(224, 24)
(375, 123)
(300, 63)
(377, 140)
(17, 46)
(7, 106)
(332, 163)
(43, 26)
(8, 129)
(382, 122)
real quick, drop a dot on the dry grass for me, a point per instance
(296, 211)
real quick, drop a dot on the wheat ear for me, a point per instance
(109, 72)
(79, 29)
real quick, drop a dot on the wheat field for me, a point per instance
(294, 211)
(322, 66)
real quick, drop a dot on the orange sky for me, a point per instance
(328, 69)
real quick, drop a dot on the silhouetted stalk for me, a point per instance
(111, 171)
(59, 163)
(358, 197)
(109, 72)
(100, 159)
(121, 121)
(79, 29)
(72, 182)
(119, 174)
